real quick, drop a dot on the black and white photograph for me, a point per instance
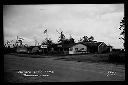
(64, 43)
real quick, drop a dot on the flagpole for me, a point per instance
(45, 32)
(47, 35)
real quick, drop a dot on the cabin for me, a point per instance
(75, 48)
(96, 47)
(44, 48)
(109, 49)
(34, 49)
(30, 49)
(89, 47)
(22, 50)
(78, 49)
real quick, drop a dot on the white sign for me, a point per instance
(43, 46)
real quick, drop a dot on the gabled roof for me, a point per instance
(92, 44)
(88, 44)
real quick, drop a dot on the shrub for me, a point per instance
(116, 57)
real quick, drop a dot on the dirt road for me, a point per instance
(25, 69)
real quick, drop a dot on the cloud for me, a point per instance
(98, 20)
(111, 16)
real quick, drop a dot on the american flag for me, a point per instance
(45, 31)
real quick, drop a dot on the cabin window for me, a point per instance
(76, 49)
(82, 48)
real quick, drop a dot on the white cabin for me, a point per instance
(78, 49)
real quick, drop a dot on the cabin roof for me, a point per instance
(88, 44)
(92, 44)
(68, 45)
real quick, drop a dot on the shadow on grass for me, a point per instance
(10, 77)
(112, 58)
(37, 55)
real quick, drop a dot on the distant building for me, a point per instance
(22, 50)
(78, 49)
(75, 48)
(96, 47)
(110, 48)
(44, 48)
(34, 49)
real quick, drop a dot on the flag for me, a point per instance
(45, 31)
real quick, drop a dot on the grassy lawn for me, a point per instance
(115, 58)
(63, 70)
(86, 58)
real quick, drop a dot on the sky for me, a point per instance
(29, 22)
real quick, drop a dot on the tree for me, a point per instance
(87, 39)
(80, 40)
(91, 38)
(62, 37)
(68, 41)
(71, 40)
(20, 41)
(47, 41)
(122, 28)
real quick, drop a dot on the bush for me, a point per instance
(9, 50)
(116, 57)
